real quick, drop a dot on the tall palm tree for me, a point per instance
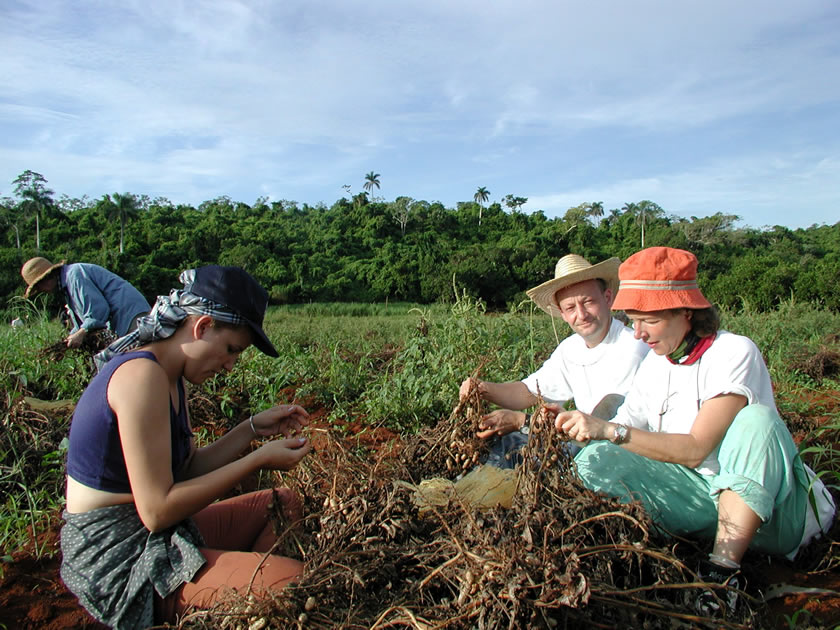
(635, 210)
(36, 199)
(124, 207)
(371, 180)
(481, 196)
(595, 209)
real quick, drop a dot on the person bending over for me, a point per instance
(95, 297)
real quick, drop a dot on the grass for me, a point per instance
(395, 365)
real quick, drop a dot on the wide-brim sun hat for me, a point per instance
(36, 269)
(657, 279)
(571, 269)
(236, 289)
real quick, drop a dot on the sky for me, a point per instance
(700, 107)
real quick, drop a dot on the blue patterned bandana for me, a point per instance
(165, 317)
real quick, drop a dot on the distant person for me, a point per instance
(95, 297)
(145, 536)
(698, 439)
(593, 367)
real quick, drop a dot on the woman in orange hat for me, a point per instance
(698, 439)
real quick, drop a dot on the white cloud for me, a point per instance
(208, 97)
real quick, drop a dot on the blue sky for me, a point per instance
(701, 107)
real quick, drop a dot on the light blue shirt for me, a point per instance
(97, 298)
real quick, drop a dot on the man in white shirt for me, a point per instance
(593, 367)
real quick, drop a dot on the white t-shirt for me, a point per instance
(667, 397)
(586, 375)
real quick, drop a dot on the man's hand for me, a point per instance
(76, 339)
(467, 386)
(500, 422)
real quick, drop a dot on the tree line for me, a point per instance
(363, 248)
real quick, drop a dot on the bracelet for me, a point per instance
(251, 422)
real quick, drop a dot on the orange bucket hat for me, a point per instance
(659, 278)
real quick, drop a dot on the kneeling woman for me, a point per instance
(698, 439)
(144, 536)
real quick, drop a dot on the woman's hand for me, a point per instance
(581, 427)
(286, 420)
(500, 422)
(284, 454)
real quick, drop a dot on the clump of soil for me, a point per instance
(820, 364)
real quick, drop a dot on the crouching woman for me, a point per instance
(698, 439)
(145, 537)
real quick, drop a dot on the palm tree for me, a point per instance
(124, 207)
(36, 198)
(595, 209)
(371, 180)
(641, 211)
(481, 196)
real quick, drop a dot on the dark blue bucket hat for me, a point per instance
(236, 289)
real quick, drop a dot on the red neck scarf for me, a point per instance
(693, 355)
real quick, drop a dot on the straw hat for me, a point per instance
(36, 269)
(570, 270)
(659, 278)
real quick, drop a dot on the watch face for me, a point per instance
(620, 433)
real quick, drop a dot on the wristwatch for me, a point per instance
(620, 434)
(525, 429)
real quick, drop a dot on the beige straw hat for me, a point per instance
(570, 270)
(36, 269)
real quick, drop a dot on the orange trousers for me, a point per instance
(238, 533)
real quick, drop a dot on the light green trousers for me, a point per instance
(758, 460)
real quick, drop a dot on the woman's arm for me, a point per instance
(690, 449)
(286, 420)
(139, 394)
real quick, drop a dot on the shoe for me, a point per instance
(723, 599)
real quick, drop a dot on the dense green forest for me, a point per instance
(366, 249)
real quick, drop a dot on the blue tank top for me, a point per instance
(95, 456)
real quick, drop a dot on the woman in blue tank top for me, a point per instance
(145, 536)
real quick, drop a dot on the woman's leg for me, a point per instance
(227, 572)
(242, 523)
(676, 498)
(761, 467)
(238, 534)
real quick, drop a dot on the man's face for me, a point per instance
(48, 284)
(585, 307)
